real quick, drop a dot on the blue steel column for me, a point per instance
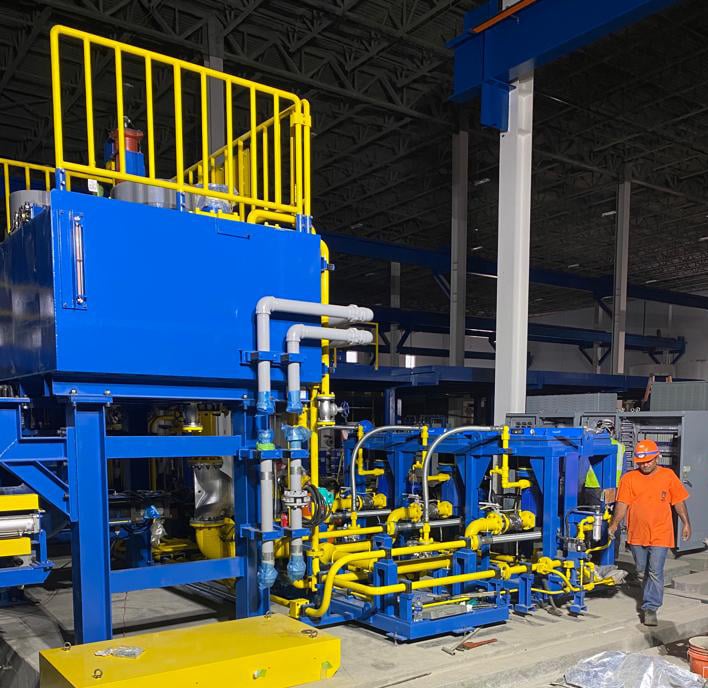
(90, 547)
(249, 600)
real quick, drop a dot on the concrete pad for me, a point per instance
(672, 569)
(530, 651)
(697, 562)
(696, 583)
(527, 650)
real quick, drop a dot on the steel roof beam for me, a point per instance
(439, 262)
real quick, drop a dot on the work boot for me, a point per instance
(650, 618)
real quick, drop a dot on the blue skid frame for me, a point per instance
(552, 455)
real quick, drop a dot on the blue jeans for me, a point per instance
(650, 568)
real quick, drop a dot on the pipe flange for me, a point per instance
(296, 499)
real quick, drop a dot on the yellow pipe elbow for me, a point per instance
(413, 512)
(211, 539)
(503, 471)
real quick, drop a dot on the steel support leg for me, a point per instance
(619, 307)
(216, 99)
(250, 601)
(513, 254)
(90, 546)
(458, 262)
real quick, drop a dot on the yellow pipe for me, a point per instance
(413, 512)
(213, 539)
(378, 501)
(371, 556)
(257, 216)
(306, 124)
(503, 470)
(377, 590)
(360, 458)
(348, 532)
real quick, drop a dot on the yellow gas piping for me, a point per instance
(378, 501)
(360, 458)
(503, 470)
(496, 523)
(215, 539)
(349, 532)
(412, 512)
(372, 556)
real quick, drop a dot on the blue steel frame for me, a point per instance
(77, 354)
(488, 60)
(70, 473)
(552, 453)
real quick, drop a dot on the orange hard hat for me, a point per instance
(646, 450)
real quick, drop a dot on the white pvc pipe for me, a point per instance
(268, 305)
(349, 337)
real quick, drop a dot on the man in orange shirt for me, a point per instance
(646, 496)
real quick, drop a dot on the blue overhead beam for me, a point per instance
(421, 321)
(439, 262)
(537, 380)
(487, 61)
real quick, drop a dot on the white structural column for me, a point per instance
(619, 301)
(458, 258)
(515, 152)
(395, 302)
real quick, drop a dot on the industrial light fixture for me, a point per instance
(477, 248)
(483, 180)
(650, 281)
(705, 238)
(574, 265)
(609, 213)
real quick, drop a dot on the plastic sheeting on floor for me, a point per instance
(622, 670)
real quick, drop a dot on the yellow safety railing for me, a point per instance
(31, 176)
(263, 171)
(17, 174)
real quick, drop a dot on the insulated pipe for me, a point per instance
(426, 463)
(349, 337)
(268, 305)
(360, 444)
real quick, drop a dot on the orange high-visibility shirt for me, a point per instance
(650, 498)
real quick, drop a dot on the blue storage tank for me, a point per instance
(101, 289)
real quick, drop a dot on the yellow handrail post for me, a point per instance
(119, 109)
(253, 146)
(229, 138)
(150, 118)
(179, 139)
(6, 181)
(205, 131)
(277, 178)
(88, 87)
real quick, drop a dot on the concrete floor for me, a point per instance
(530, 651)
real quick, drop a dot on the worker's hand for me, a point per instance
(612, 532)
(686, 532)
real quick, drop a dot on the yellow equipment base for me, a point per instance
(273, 651)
